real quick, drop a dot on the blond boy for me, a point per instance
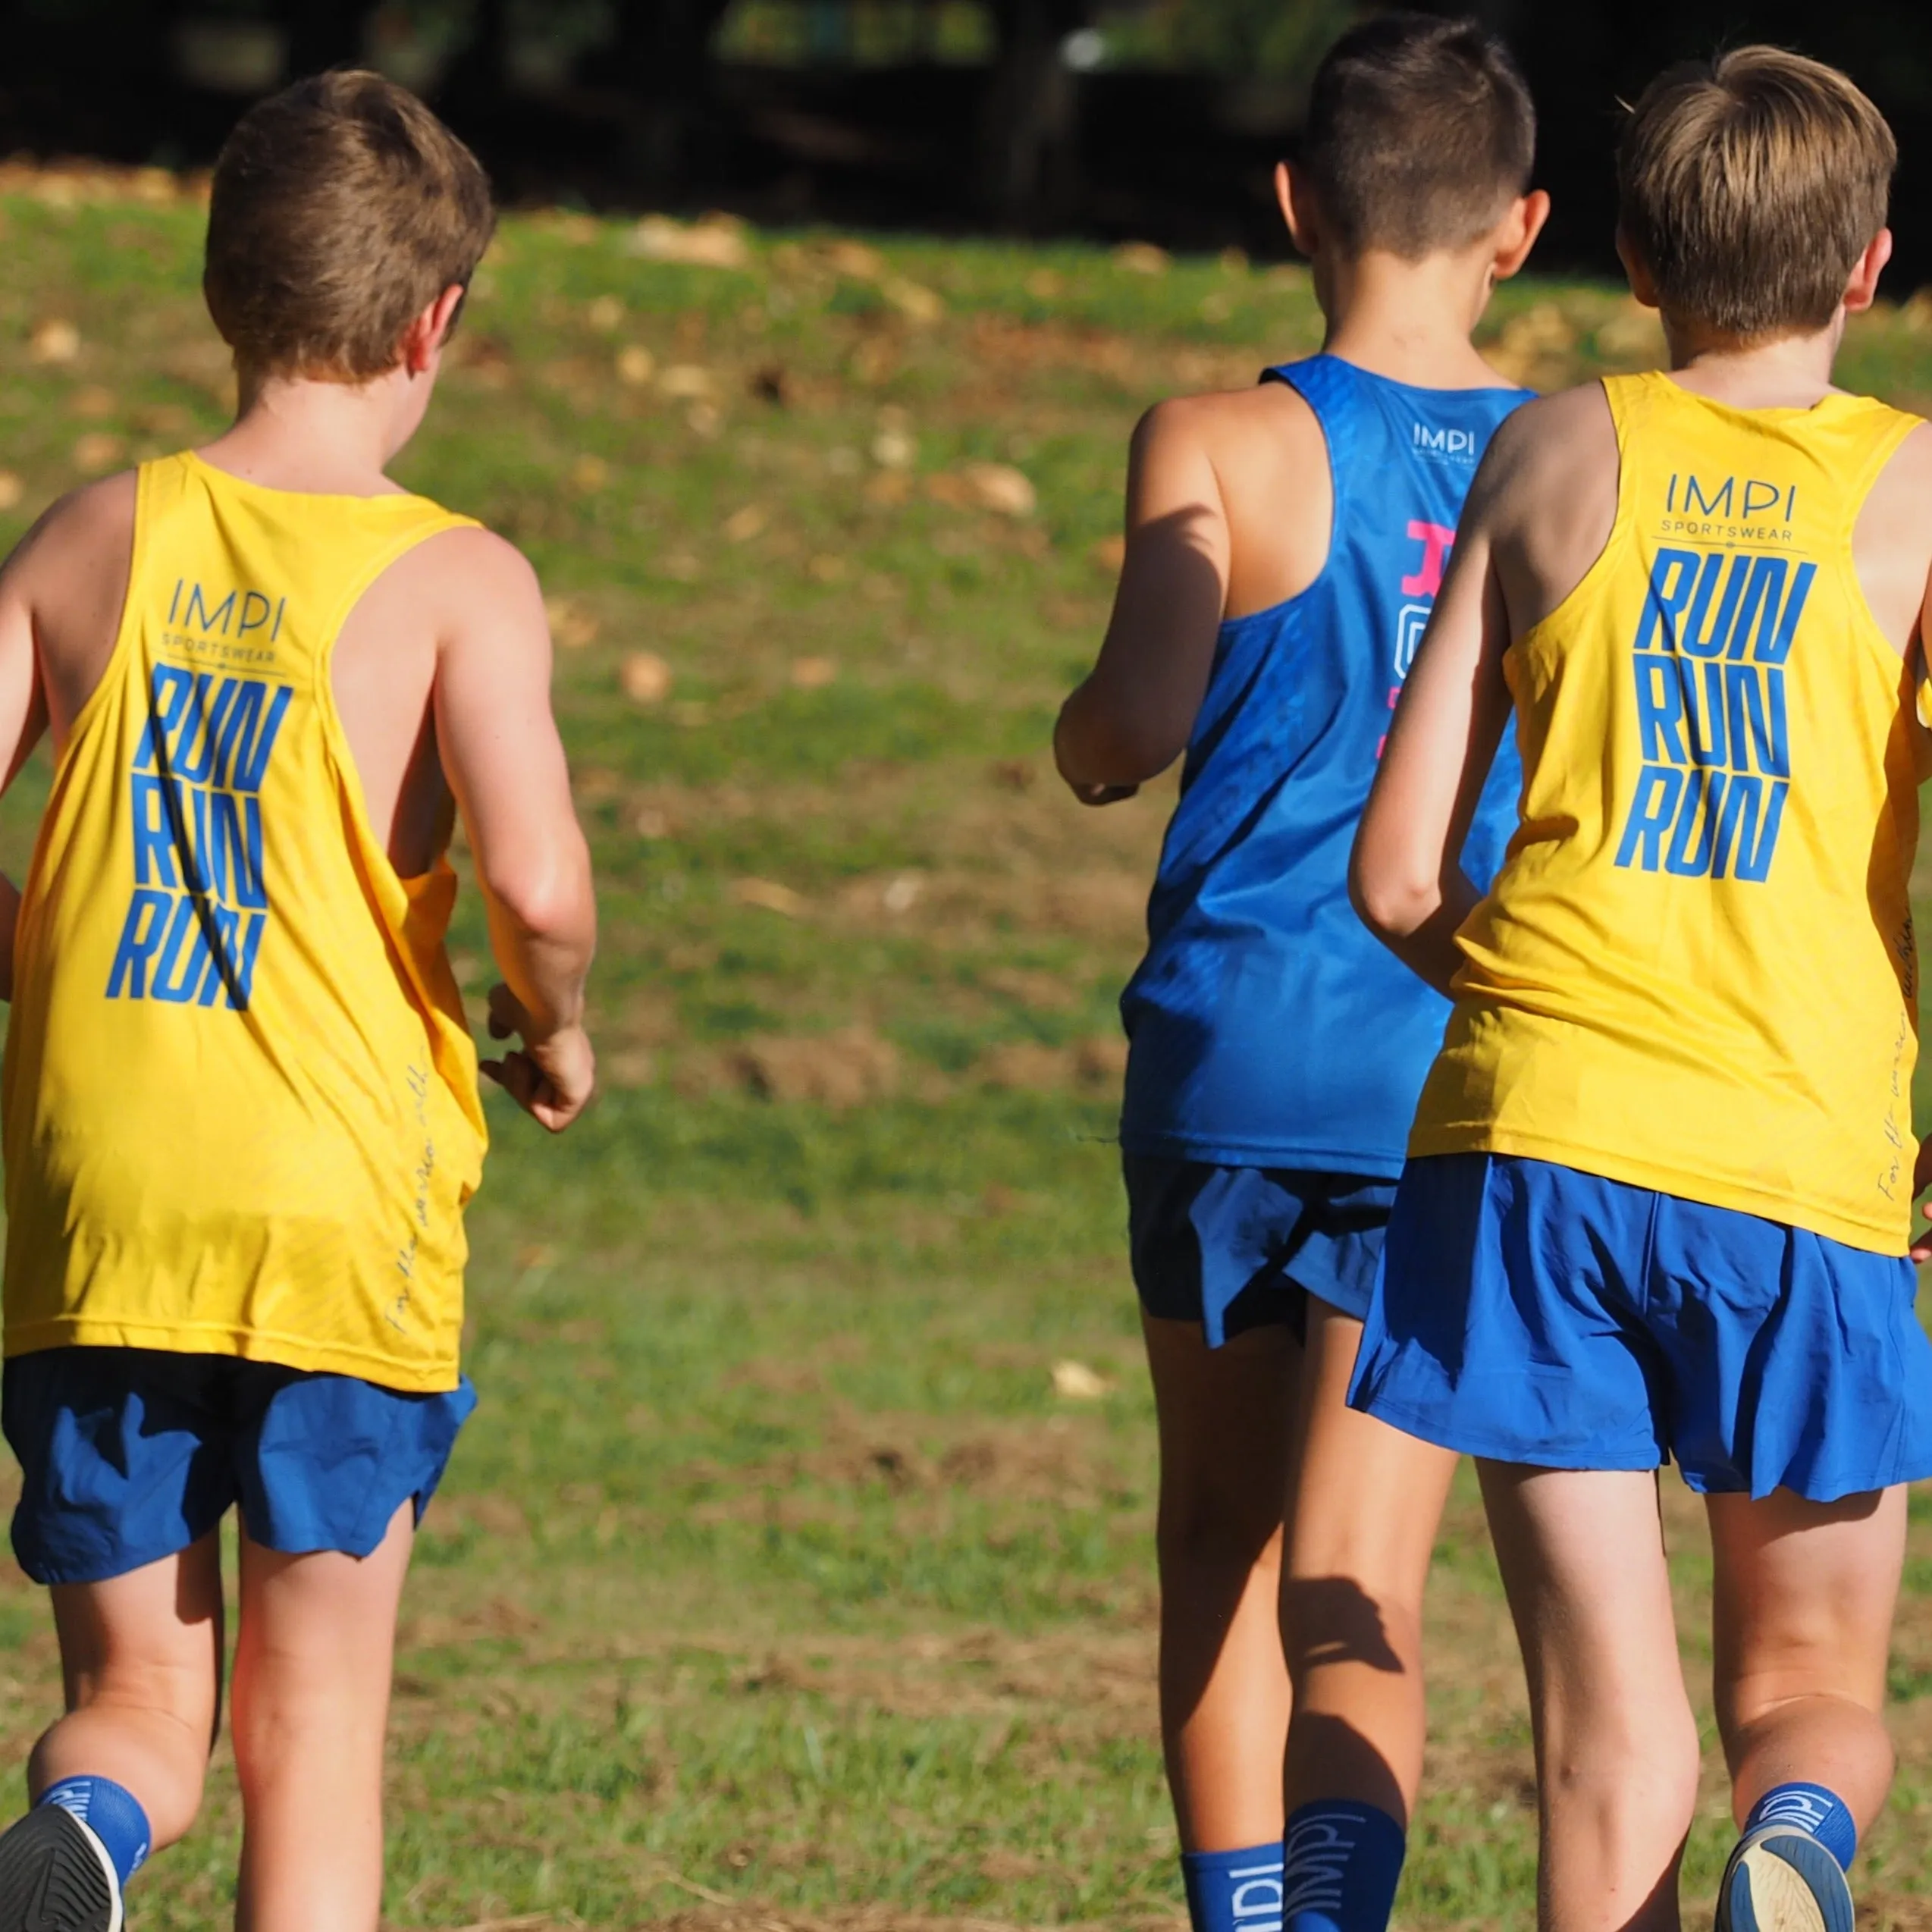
(1659, 1191)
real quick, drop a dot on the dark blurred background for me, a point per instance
(1152, 119)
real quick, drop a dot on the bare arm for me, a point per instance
(1406, 877)
(504, 761)
(1132, 716)
(23, 718)
(61, 594)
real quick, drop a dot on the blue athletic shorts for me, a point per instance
(128, 1455)
(1236, 1248)
(1529, 1313)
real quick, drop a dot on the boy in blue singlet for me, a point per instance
(1284, 545)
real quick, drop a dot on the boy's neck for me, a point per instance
(1789, 371)
(317, 438)
(1408, 320)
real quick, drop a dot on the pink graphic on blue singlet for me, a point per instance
(199, 908)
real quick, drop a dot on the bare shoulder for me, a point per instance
(1553, 438)
(90, 530)
(1546, 499)
(1909, 474)
(1231, 428)
(470, 577)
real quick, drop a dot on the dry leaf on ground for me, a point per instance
(770, 896)
(646, 678)
(714, 242)
(999, 487)
(1074, 1382)
(1143, 259)
(571, 624)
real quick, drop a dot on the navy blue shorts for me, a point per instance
(1236, 1248)
(1530, 1313)
(128, 1455)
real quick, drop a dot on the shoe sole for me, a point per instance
(1787, 1882)
(55, 1876)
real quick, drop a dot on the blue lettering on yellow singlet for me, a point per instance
(1708, 664)
(195, 922)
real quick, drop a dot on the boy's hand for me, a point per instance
(1922, 1179)
(550, 1076)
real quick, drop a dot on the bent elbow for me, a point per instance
(545, 895)
(1390, 904)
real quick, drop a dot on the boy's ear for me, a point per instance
(1295, 194)
(1861, 291)
(1643, 284)
(1516, 233)
(423, 340)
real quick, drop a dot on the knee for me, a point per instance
(1635, 1773)
(1209, 1527)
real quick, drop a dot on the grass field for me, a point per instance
(780, 1581)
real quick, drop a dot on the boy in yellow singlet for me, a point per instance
(1659, 1195)
(240, 1103)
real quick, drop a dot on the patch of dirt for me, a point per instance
(1092, 1066)
(1054, 1461)
(838, 1070)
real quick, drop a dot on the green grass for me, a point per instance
(773, 1577)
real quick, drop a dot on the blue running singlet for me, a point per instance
(1268, 1026)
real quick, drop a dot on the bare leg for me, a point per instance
(1365, 1503)
(313, 1667)
(1582, 1554)
(1224, 1682)
(141, 1659)
(1802, 1626)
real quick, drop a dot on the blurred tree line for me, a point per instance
(1153, 117)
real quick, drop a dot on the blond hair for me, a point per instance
(342, 208)
(1749, 185)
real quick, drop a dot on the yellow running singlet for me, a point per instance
(1695, 971)
(241, 1114)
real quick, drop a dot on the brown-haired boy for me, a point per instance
(240, 1110)
(1283, 546)
(1660, 1192)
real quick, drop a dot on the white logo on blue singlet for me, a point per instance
(1410, 623)
(1457, 445)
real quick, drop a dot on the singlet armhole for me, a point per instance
(1282, 375)
(335, 738)
(1885, 446)
(114, 671)
(1616, 396)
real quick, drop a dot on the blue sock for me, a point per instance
(1811, 1809)
(1233, 1891)
(111, 1813)
(1343, 1861)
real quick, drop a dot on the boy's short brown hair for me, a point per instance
(1749, 185)
(342, 208)
(1420, 133)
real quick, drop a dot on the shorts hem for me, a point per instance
(1493, 1449)
(51, 1575)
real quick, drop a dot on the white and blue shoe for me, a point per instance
(1778, 1880)
(55, 1876)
